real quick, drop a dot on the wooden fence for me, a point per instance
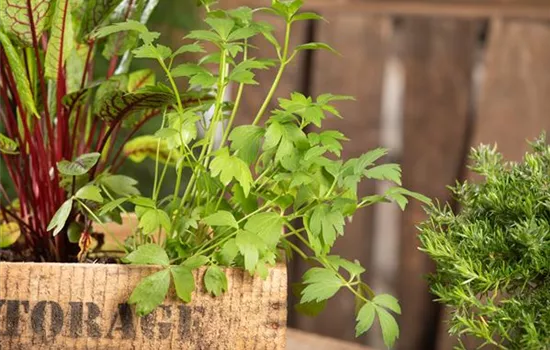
(431, 78)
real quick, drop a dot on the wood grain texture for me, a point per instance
(299, 340)
(361, 40)
(526, 9)
(82, 306)
(438, 60)
(514, 100)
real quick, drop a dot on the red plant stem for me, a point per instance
(36, 149)
(79, 110)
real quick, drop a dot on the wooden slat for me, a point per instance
(438, 59)
(534, 9)
(515, 101)
(298, 340)
(362, 42)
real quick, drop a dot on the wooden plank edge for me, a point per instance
(449, 8)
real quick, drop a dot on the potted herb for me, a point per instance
(493, 256)
(256, 194)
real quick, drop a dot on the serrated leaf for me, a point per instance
(204, 35)
(95, 13)
(148, 254)
(246, 141)
(153, 219)
(365, 318)
(321, 284)
(215, 280)
(16, 20)
(390, 329)
(191, 48)
(79, 166)
(19, 74)
(9, 234)
(150, 292)
(195, 262)
(60, 42)
(130, 25)
(60, 217)
(351, 267)
(121, 185)
(222, 26)
(249, 245)
(7, 145)
(229, 252)
(268, 226)
(90, 192)
(184, 281)
(229, 167)
(387, 301)
(221, 218)
(391, 172)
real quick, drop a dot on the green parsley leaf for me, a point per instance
(150, 292)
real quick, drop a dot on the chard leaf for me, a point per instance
(116, 105)
(95, 13)
(150, 292)
(19, 74)
(140, 79)
(61, 39)
(17, 23)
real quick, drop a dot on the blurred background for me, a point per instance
(432, 78)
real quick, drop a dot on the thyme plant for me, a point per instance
(493, 257)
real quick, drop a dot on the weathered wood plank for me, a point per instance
(514, 101)
(438, 59)
(298, 340)
(362, 42)
(83, 306)
(533, 9)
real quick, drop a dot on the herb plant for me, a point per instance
(253, 190)
(493, 258)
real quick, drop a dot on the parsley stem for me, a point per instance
(282, 67)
